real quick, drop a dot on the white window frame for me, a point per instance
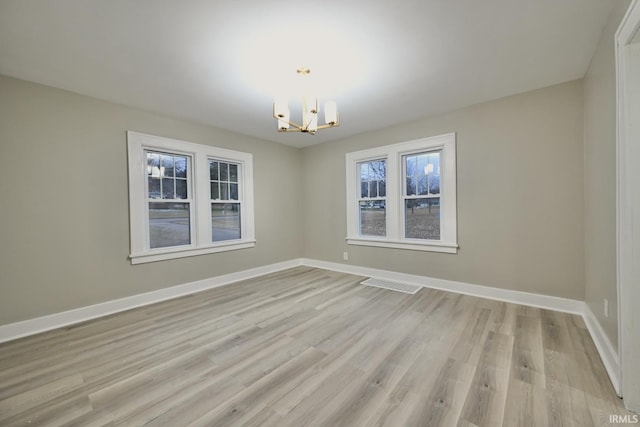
(393, 153)
(358, 195)
(137, 144)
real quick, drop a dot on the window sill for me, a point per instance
(165, 254)
(412, 246)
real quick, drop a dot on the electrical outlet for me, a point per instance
(606, 307)
(345, 256)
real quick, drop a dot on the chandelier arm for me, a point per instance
(331, 125)
(327, 126)
(294, 124)
(296, 130)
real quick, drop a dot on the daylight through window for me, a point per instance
(187, 199)
(168, 183)
(225, 202)
(404, 195)
(372, 201)
(421, 195)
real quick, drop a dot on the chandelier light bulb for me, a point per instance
(283, 121)
(312, 106)
(330, 112)
(280, 107)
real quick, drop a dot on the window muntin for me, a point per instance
(167, 175)
(172, 211)
(419, 195)
(372, 200)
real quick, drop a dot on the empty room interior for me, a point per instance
(409, 213)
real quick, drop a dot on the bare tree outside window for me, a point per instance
(422, 195)
(372, 201)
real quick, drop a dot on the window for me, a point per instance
(421, 195)
(404, 195)
(187, 199)
(225, 202)
(372, 201)
(169, 199)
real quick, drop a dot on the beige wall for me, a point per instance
(521, 200)
(520, 195)
(600, 177)
(64, 227)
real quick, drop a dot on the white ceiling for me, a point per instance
(221, 62)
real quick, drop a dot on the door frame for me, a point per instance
(628, 347)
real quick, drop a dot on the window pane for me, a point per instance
(422, 218)
(161, 183)
(215, 191)
(224, 191)
(181, 188)
(433, 163)
(233, 190)
(411, 166)
(372, 178)
(166, 166)
(167, 188)
(213, 170)
(373, 189)
(411, 186)
(225, 221)
(434, 184)
(233, 173)
(153, 188)
(181, 166)
(224, 171)
(382, 189)
(364, 171)
(421, 168)
(169, 224)
(422, 185)
(373, 220)
(378, 170)
(432, 171)
(153, 164)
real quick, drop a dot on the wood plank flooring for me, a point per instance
(310, 347)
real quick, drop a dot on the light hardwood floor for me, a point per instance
(311, 347)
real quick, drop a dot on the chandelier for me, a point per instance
(309, 113)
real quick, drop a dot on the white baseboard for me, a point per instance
(518, 297)
(606, 350)
(608, 354)
(41, 324)
(16, 330)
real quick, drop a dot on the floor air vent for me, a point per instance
(393, 286)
